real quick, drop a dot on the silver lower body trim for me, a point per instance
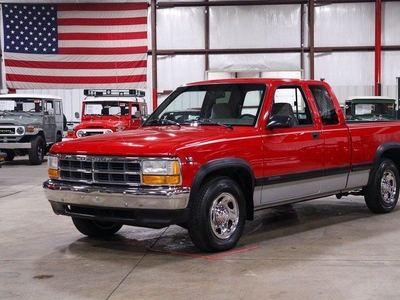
(111, 197)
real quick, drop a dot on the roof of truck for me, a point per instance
(352, 98)
(36, 96)
(111, 99)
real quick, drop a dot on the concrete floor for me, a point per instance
(322, 249)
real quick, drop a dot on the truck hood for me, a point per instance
(103, 123)
(154, 140)
(17, 119)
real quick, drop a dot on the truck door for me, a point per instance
(336, 138)
(49, 121)
(293, 157)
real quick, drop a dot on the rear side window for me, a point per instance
(294, 96)
(325, 105)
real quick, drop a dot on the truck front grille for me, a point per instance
(90, 133)
(7, 131)
(100, 169)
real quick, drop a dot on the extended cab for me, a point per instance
(29, 125)
(258, 143)
(108, 111)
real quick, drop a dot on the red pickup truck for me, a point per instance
(256, 144)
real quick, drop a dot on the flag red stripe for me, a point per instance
(76, 79)
(102, 7)
(102, 36)
(75, 65)
(103, 51)
(102, 22)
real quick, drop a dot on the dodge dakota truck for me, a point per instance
(256, 144)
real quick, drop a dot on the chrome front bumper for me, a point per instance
(117, 197)
(15, 145)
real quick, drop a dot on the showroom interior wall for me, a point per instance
(194, 39)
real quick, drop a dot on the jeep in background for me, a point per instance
(30, 125)
(108, 111)
(370, 108)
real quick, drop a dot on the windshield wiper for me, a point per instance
(162, 122)
(210, 121)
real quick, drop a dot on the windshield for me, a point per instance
(21, 105)
(223, 104)
(107, 108)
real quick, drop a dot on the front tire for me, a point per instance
(36, 153)
(94, 228)
(218, 215)
(382, 194)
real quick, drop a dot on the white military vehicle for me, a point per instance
(30, 125)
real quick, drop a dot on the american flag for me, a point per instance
(73, 46)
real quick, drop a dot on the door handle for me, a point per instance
(315, 135)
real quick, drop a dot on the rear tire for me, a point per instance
(382, 194)
(36, 153)
(218, 215)
(94, 228)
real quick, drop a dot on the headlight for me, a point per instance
(108, 131)
(20, 130)
(52, 164)
(79, 133)
(158, 171)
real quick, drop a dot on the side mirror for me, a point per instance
(76, 115)
(137, 114)
(280, 121)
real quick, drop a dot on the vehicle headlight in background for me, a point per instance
(108, 131)
(79, 133)
(158, 171)
(20, 130)
(52, 165)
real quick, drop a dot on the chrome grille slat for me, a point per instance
(100, 170)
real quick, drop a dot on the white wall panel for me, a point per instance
(276, 61)
(271, 26)
(390, 67)
(345, 68)
(180, 28)
(391, 23)
(174, 71)
(350, 24)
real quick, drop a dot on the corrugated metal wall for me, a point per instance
(181, 29)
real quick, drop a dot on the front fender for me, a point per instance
(236, 168)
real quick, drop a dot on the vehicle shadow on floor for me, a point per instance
(290, 224)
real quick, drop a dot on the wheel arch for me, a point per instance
(237, 169)
(389, 150)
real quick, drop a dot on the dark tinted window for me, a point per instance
(325, 105)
